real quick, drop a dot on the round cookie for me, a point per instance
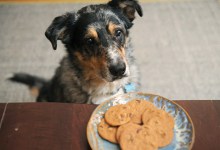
(138, 138)
(161, 114)
(163, 131)
(122, 128)
(162, 123)
(107, 132)
(118, 115)
(138, 107)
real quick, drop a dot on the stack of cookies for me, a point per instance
(137, 125)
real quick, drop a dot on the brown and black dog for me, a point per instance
(99, 61)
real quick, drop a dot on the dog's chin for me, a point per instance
(114, 78)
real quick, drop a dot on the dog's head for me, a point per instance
(96, 36)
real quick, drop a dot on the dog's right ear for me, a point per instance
(58, 30)
(128, 7)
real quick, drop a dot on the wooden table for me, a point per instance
(59, 126)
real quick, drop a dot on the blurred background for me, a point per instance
(177, 46)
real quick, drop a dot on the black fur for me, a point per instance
(31, 81)
(99, 61)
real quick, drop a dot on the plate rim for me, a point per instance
(139, 93)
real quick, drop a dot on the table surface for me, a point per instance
(60, 126)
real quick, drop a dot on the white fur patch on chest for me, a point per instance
(105, 91)
(98, 99)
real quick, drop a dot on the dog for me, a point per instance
(99, 63)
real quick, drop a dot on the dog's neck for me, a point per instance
(98, 99)
(102, 91)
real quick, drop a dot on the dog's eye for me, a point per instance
(90, 41)
(118, 33)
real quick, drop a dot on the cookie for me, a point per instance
(138, 107)
(162, 123)
(118, 115)
(122, 128)
(137, 125)
(163, 132)
(107, 132)
(138, 137)
(161, 114)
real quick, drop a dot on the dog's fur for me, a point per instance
(99, 63)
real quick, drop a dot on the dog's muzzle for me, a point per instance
(117, 70)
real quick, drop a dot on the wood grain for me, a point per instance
(44, 126)
(206, 119)
(2, 112)
(2, 107)
(59, 126)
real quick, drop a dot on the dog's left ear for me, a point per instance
(128, 7)
(58, 30)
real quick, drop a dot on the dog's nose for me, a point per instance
(117, 69)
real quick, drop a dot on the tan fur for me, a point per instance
(34, 91)
(91, 33)
(122, 52)
(92, 68)
(90, 73)
(112, 27)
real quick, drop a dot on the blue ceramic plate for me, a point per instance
(184, 133)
